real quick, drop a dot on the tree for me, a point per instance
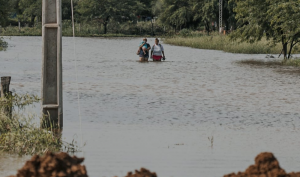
(229, 14)
(205, 11)
(274, 19)
(157, 7)
(4, 12)
(104, 10)
(284, 16)
(176, 13)
(31, 9)
(66, 8)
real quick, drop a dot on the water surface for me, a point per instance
(162, 116)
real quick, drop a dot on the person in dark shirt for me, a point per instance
(145, 56)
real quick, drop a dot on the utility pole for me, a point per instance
(220, 15)
(52, 103)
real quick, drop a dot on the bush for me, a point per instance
(222, 42)
(90, 28)
(3, 44)
(22, 135)
(185, 32)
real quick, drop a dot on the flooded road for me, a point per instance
(163, 116)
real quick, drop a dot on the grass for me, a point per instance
(223, 42)
(22, 135)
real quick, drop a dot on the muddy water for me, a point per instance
(163, 116)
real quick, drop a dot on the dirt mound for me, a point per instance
(266, 165)
(143, 173)
(53, 165)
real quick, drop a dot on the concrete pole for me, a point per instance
(52, 103)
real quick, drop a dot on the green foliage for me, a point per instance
(205, 11)
(4, 12)
(277, 20)
(195, 13)
(89, 28)
(293, 62)
(105, 10)
(176, 12)
(3, 44)
(157, 7)
(31, 9)
(185, 32)
(22, 135)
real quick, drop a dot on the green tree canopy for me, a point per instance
(206, 11)
(31, 9)
(4, 12)
(176, 13)
(104, 10)
(276, 19)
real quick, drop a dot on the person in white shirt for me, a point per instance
(157, 51)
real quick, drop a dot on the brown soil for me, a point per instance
(143, 173)
(63, 165)
(266, 165)
(53, 165)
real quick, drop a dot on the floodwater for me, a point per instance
(197, 114)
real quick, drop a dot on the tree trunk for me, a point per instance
(105, 27)
(227, 25)
(291, 48)
(32, 20)
(284, 47)
(99, 28)
(285, 50)
(207, 27)
(105, 24)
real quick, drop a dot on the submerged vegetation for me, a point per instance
(291, 62)
(22, 134)
(3, 44)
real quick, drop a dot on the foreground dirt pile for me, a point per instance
(266, 165)
(143, 173)
(53, 165)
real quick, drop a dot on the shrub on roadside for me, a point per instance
(22, 134)
(3, 44)
(221, 42)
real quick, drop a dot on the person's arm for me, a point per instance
(149, 47)
(142, 44)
